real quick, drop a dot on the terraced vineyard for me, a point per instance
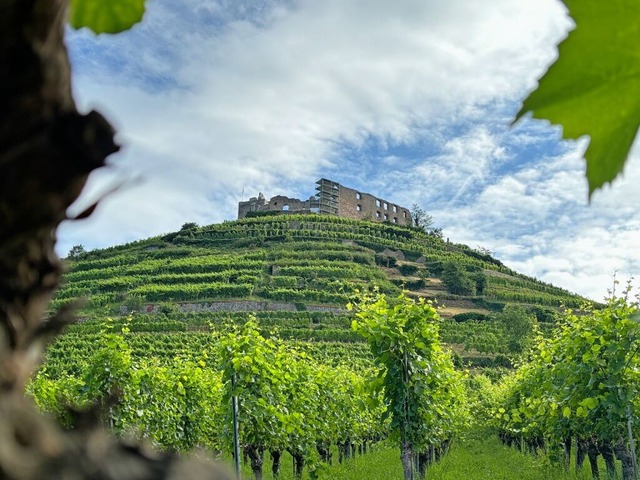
(296, 272)
(271, 310)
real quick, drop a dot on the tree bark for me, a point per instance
(256, 457)
(406, 456)
(581, 452)
(623, 454)
(593, 452)
(324, 450)
(423, 462)
(47, 151)
(344, 451)
(606, 450)
(298, 465)
(566, 449)
(275, 466)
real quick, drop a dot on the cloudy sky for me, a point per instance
(411, 100)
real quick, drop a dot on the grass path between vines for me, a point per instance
(488, 459)
(476, 459)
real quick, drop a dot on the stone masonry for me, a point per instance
(332, 199)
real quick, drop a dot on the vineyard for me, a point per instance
(296, 273)
(295, 258)
(308, 402)
(579, 390)
(282, 313)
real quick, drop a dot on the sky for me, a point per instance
(410, 100)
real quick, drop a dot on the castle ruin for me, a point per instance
(332, 199)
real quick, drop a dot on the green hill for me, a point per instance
(296, 272)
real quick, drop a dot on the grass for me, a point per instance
(473, 459)
(488, 459)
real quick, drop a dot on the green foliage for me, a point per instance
(261, 376)
(466, 316)
(544, 315)
(288, 400)
(457, 280)
(112, 16)
(188, 226)
(386, 260)
(583, 380)
(421, 219)
(407, 269)
(481, 282)
(594, 86)
(76, 252)
(300, 261)
(519, 326)
(208, 265)
(422, 390)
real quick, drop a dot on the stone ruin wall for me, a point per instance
(278, 203)
(364, 206)
(351, 204)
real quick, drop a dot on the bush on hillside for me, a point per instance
(481, 282)
(471, 316)
(386, 260)
(457, 280)
(406, 269)
(489, 305)
(519, 326)
(543, 315)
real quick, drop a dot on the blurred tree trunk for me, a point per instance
(47, 150)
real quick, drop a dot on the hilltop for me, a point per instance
(297, 272)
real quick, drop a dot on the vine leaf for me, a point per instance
(106, 16)
(593, 88)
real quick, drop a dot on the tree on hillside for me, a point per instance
(481, 282)
(424, 221)
(188, 226)
(519, 326)
(76, 252)
(421, 218)
(457, 280)
(484, 251)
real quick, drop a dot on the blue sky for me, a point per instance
(411, 100)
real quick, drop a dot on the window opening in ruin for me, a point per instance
(386, 206)
(378, 214)
(359, 208)
(386, 217)
(395, 209)
(285, 207)
(358, 196)
(405, 214)
(377, 203)
(395, 219)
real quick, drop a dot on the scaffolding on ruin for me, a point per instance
(328, 196)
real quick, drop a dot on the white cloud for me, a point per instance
(215, 97)
(537, 221)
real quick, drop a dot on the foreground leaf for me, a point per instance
(106, 16)
(594, 86)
